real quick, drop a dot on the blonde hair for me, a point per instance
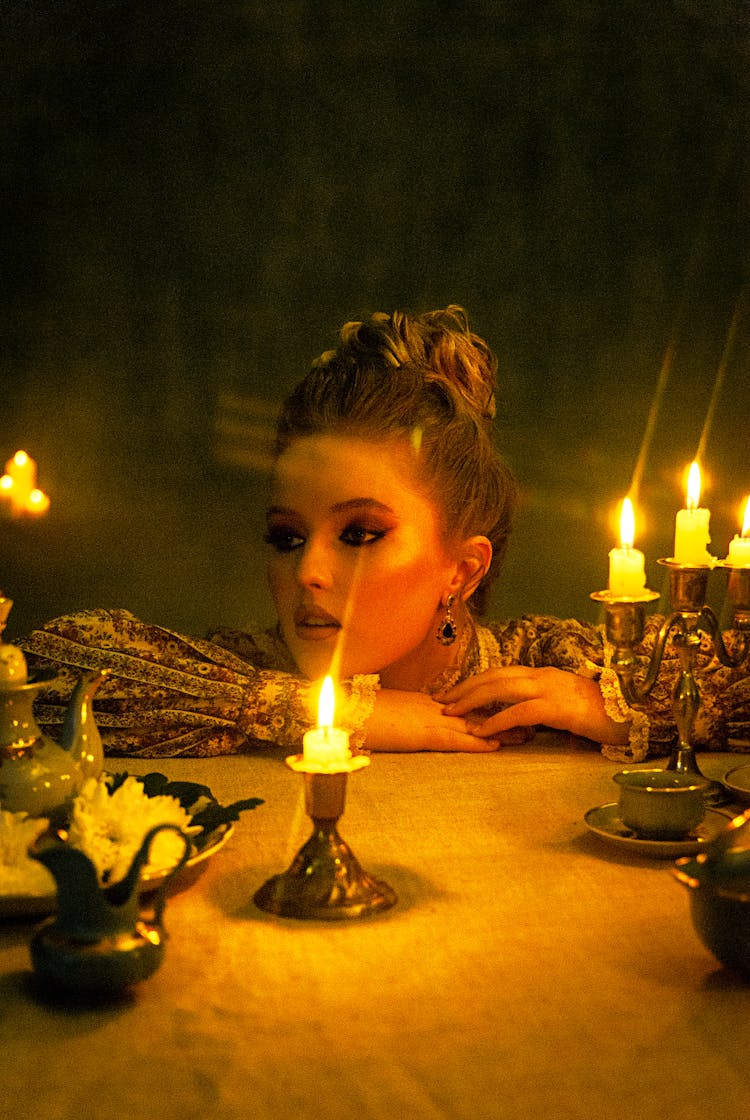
(429, 380)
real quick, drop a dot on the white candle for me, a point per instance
(38, 502)
(18, 485)
(22, 469)
(18, 481)
(627, 565)
(691, 526)
(326, 746)
(739, 547)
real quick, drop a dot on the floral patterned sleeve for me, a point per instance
(723, 720)
(171, 695)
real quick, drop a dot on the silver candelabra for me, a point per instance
(690, 618)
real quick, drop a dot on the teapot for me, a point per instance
(718, 882)
(37, 775)
(99, 943)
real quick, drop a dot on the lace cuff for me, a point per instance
(363, 688)
(618, 709)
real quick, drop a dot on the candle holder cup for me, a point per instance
(690, 618)
(325, 880)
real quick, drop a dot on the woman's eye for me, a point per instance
(358, 535)
(284, 540)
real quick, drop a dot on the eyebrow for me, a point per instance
(339, 507)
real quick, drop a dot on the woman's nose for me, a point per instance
(314, 568)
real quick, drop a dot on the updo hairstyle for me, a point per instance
(428, 381)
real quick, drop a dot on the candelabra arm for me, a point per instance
(624, 663)
(686, 698)
(709, 624)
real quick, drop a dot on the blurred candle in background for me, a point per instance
(627, 565)
(691, 526)
(739, 547)
(18, 487)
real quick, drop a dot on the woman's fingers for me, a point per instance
(494, 687)
(527, 714)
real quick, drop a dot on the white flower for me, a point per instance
(19, 872)
(110, 827)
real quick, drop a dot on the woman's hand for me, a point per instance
(412, 721)
(552, 697)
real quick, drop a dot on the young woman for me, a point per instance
(388, 519)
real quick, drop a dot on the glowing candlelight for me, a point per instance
(18, 486)
(326, 746)
(38, 502)
(22, 469)
(627, 571)
(691, 526)
(739, 547)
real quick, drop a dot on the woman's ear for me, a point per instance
(475, 557)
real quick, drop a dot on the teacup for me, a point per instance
(661, 804)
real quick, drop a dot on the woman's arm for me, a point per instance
(414, 721)
(552, 697)
(168, 694)
(557, 673)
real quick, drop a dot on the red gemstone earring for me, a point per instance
(447, 630)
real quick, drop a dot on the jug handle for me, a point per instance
(160, 895)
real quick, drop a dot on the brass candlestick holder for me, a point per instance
(325, 879)
(691, 617)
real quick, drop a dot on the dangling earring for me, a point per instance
(447, 630)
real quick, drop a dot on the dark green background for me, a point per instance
(197, 194)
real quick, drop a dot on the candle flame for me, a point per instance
(627, 524)
(326, 703)
(693, 486)
(20, 458)
(746, 519)
(6, 482)
(38, 501)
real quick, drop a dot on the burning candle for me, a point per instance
(18, 485)
(739, 547)
(22, 469)
(627, 571)
(326, 746)
(691, 527)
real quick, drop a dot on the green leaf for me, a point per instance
(210, 814)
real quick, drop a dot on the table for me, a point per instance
(528, 970)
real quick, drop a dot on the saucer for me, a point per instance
(737, 781)
(605, 822)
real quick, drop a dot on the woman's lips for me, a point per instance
(315, 626)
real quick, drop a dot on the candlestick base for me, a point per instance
(683, 760)
(324, 880)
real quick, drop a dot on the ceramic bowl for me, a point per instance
(661, 804)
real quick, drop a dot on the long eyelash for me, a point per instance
(374, 535)
(281, 539)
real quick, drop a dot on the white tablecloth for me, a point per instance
(528, 969)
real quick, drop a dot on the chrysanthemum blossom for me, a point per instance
(19, 873)
(109, 827)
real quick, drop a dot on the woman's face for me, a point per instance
(357, 565)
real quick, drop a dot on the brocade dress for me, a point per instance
(169, 695)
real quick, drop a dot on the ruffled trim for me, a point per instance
(363, 689)
(618, 709)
